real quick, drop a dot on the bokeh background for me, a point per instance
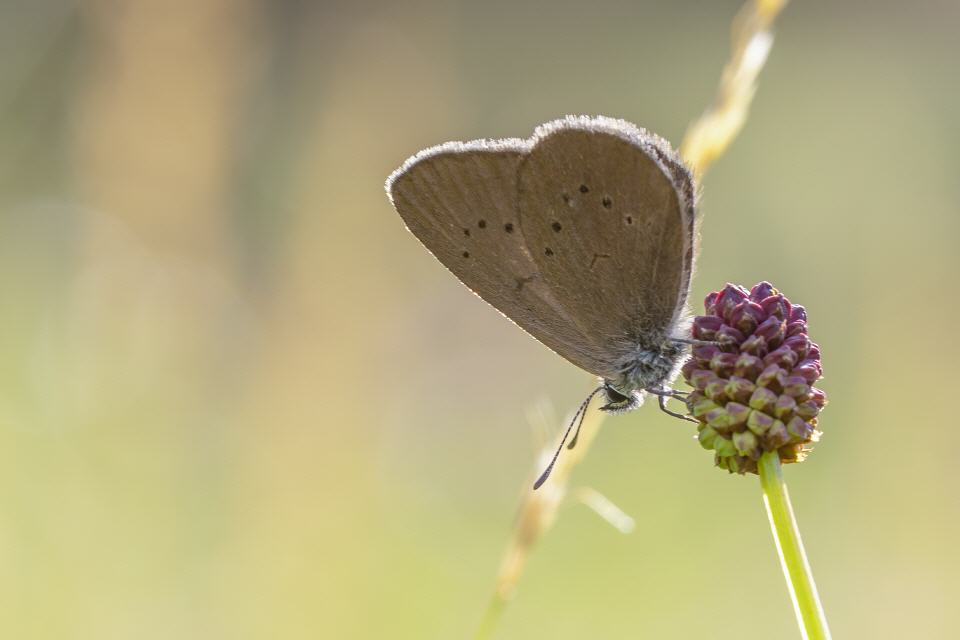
(239, 400)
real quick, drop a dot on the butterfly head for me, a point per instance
(618, 402)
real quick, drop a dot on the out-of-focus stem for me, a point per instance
(710, 135)
(491, 617)
(537, 513)
(705, 141)
(793, 557)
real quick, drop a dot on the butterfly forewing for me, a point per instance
(460, 200)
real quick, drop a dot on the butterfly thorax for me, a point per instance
(645, 368)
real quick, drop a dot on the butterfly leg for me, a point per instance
(696, 343)
(663, 395)
(669, 393)
(663, 407)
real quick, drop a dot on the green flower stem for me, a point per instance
(793, 559)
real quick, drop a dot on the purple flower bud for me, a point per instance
(705, 352)
(727, 336)
(753, 387)
(814, 352)
(688, 368)
(809, 370)
(722, 363)
(730, 297)
(818, 396)
(796, 386)
(796, 328)
(746, 316)
(807, 410)
(783, 356)
(710, 303)
(700, 377)
(773, 377)
(776, 306)
(705, 327)
(799, 430)
(755, 345)
(748, 366)
(799, 344)
(771, 330)
(761, 291)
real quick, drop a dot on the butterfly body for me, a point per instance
(583, 235)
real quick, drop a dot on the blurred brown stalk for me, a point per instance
(705, 141)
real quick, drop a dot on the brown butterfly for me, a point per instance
(583, 235)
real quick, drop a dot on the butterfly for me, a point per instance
(583, 235)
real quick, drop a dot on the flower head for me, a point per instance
(753, 386)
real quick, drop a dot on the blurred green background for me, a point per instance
(239, 400)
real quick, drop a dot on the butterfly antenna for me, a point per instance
(583, 414)
(580, 414)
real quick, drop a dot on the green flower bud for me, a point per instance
(707, 436)
(738, 412)
(759, 422)
(703, 407)
(784, 407)
(720, 419)
(724, 446)
(776, 436)
(746, 443)
(739, 389)
(763, 400)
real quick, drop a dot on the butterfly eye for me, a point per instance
(614, 396)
